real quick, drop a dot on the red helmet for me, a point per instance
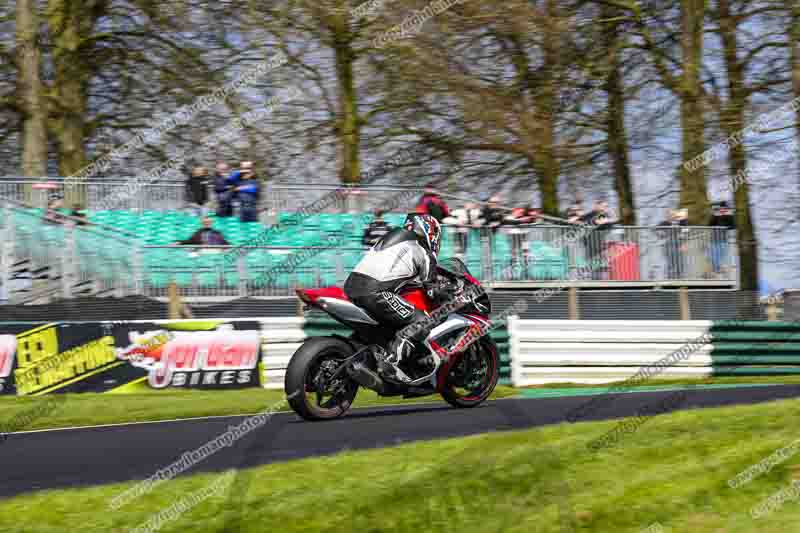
(428, 230)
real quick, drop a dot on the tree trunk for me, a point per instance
(733, 120)
(617, 134)
(794, 51)
(548, 166)
(693, 194)
(69, 21)
(33, 107)
(349, 126)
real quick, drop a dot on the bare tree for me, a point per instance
(682, 76)
(30, 100)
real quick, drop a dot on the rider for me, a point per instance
(402, 258)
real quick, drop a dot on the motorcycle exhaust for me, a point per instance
(366, 377)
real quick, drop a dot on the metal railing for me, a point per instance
(78, 259)
(623, 254)
(91, 194)
(99, 260)
(171, 195)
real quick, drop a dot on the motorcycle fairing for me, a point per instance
(449, 337)
(346, 311)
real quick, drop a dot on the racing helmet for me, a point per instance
(428, 230)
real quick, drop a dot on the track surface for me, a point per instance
(89, 456)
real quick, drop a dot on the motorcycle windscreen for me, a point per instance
(453, 335)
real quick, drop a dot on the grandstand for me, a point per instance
(133, 251)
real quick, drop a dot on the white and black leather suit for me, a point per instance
(397, 261)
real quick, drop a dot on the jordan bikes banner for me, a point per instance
(113, 356)
(210, 355)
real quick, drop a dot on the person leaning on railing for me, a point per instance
(79, 213)
(574, 214)
(494, 216)
(197, 190)
(463, 220)
(722, 220)
(675, 236)
(521, 216)
(52, 215)
(603, 219)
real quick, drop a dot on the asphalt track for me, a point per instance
(89, 456)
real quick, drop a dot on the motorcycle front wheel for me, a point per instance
(474, 376)
(310, 391)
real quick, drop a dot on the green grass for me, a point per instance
(89, 409)
(672, 471)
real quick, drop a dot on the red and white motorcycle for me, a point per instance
(461, 361)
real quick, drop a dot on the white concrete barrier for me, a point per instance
(604, 351)
(280, 338)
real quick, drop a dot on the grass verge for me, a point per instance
(672, 472)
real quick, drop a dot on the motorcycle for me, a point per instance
(458, 360)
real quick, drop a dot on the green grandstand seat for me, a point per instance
(158, 280)
(231, 279)
(394, 219)
(208, 279)
(183, 279)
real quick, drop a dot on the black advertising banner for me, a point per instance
(64, 357)
(103, 356)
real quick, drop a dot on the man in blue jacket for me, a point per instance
(224, 181)
(248, 192)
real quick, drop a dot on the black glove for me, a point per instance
(440, 291)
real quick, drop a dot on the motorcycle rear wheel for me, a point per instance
(309, 366)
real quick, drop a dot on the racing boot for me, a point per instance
(399, 350)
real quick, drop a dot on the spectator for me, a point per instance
(206, 236)
(493, 215)
(197, 190)
(600, 215)
(722, 220)
(468, 216)
(534, 215)
(78, 212)
(520, 216)
(594, 240)
(674, 242)
(223, 190)
(575, 214)
(464, 220)
(248, 190)
(376, 229)
(432, 204)
(52, 215)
